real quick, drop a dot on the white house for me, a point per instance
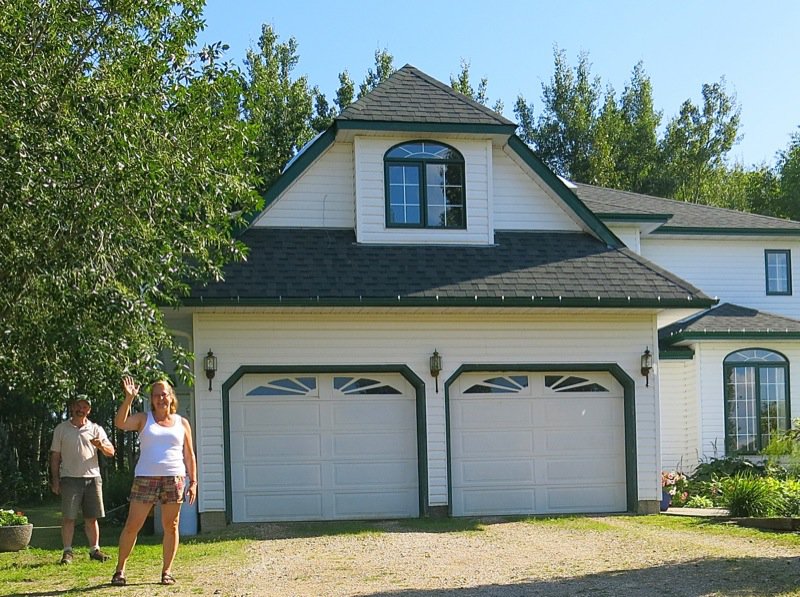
(430, 321)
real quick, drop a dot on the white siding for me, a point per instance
(629, 235)
(322, 196)
(680, 447)
(371, 195)
(732, 270)
(521, 203)
(410, 338)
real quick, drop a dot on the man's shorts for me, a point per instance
(82, 494)
(166, 490)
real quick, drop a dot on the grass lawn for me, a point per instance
(36, 570)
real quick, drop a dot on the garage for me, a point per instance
(536, 443)
(332, 446)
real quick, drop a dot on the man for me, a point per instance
(75, 476)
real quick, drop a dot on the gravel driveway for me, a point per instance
(615, 555)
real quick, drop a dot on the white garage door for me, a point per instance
(537, 443)
(323, 447)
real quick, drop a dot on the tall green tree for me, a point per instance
(384, 67)
(279, 107)
(696, 144)
(124, 170)
(463, 85)
(788, 168)
(563, 133)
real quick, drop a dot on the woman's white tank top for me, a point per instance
(161, 449)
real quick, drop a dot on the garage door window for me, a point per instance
(362, 385)
(572, 383)
(287, 386)
(512, 384)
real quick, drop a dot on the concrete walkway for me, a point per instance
(701, 512)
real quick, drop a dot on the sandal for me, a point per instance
(167, 579)
(119, 580)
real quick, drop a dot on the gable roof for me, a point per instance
(728, 321)
(326, 267)
(410, 96)
(679, 217)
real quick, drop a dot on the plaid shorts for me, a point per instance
(165, 490)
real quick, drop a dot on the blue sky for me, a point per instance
(682, 44)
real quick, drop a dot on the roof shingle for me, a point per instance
(522, 268)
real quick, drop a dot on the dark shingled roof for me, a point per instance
(326, 266)
(411, 96)
(678, 214)
(728, 320)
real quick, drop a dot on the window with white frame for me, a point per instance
(756, 399)
(778, 269)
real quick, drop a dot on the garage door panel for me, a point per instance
(287, 506)
(480, 502)
(563, 440)
(260, 476)
(299, 414)
(374, 444)
(357, 412)
(485, 443)
(582, 471)
(495, 472)
(372, 505)
(583, 499)
(479, 413)
(367, 474)
(279, 446)
(581, 413)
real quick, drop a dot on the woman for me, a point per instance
(166, 462)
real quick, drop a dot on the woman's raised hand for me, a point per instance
(130, 387)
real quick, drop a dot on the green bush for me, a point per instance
(790, 495)
(718, 468)
(749, 496)
(699, 501)
(117, 488)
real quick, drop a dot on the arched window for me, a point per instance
(756, 399)
(424, 186)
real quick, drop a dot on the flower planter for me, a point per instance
(666, 500)
(15, 537)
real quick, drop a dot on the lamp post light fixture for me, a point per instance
(436, 367)
(210, 365)
(647, 365)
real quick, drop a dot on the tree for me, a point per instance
(384, 67)
(789, 173)
(696, 143)
(462, 85)
(278, 107)
(563, 133)
(124, 171)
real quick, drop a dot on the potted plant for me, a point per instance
(15, 530)
(672, 483)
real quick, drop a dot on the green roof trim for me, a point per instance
(708, 230)
(627, 217)
(675, 354)
(406, 301)
(571, 199)
(424, 127)
(731, 335)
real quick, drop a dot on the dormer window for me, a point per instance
(424, 186)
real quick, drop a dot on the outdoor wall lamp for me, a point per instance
(647, 365)
(210, 365)
(436, 367)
